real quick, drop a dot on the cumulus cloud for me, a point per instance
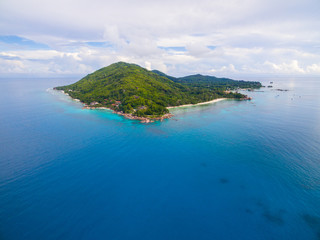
(291, 67)
(224, 69)
(314, 68)
(11, 66)
(177, 37)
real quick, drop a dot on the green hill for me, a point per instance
(131, 89)
(199, 80)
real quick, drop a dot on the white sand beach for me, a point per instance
(202, 103)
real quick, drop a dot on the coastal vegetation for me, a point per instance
(135, 91)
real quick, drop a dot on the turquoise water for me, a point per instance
(229, 170)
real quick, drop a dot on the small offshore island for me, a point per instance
(137, 93)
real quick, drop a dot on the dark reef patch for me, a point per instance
(223, 180)
(276, 218)
(203, 164)
(272, 216)
(313, 222)
(249, 211)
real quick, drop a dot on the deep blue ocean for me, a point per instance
(229, 170)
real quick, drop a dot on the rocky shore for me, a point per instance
(132, 117)
(126, 115)
(146, 119)
(246, 98)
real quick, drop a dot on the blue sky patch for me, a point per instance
(16, 42)
(6, 57)
(100, 44)
(211, 47)
(178, 49)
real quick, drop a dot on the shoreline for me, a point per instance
(197, 104)
(146, 119)
(132, 117)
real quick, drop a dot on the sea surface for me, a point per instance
(228, 170)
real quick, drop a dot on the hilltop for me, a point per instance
(135, 91)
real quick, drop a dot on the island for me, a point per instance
(137, 93)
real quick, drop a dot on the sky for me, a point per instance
(178, 37)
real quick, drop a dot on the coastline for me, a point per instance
(197, 104)
(147, 119)
(132, 117)
(126, 115)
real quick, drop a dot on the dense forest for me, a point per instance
(129, 88)
(211, 82)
